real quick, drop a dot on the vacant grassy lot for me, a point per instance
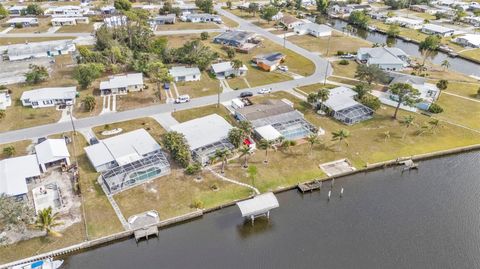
(174, 194)
(149, 124)
(338, 42)
(237, 83)
(472, 54)
(345, 70)
(465, 89)
(18, 40)
(315, 87)
(459, 110)
(206, 86)
(21, 148)
(79, 28)
(190, 114)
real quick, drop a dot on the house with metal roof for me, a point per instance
(122, 84)
(16, 10)
(313, 29)
(128, 159)
(433, 29)
(405, 22)
(273, 119)
(182, 73)
(234, 38)
(48, 97)
(429, 92)
(468, 40)
(205, 136)
(52, 152)
(23, 21)
(225, 69)
(163, 19)
(15, 173)
(269, 62)
(42, 49)
(384, 57)
(342, 106)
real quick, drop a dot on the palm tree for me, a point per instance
(434, 124)
(323, 95)
(287, 144)
(266, 145)
(445, 64)
(312, 139)
(237, 64)
(46, 221)
(222, 155)
(341, 135)
(246, 127)
(245, 152)
(386, 135)
(441, 85)
(407, 122)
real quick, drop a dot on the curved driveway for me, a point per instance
(55, 128)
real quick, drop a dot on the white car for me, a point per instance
(264, 91)
(283, 68)
(182, 99)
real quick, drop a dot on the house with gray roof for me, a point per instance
(384, 57)
(163, 19)
(433, 29)
(48, 97)
(122, 84)
(182, 73)
(23, 21)
(51, 48)
(313, 29)
(429, 92)
(234, 38)
(342, 106)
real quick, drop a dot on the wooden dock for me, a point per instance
(309, 186)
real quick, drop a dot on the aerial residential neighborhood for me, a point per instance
(304, 127)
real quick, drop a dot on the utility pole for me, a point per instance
(220, 89)
(284, 38)
(328, 62)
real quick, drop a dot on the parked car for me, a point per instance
(93, 141)
(264, 91)
(182, 99)
(246, 94)
(283, 68)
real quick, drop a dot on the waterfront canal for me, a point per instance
(457, 64)
(428, 218)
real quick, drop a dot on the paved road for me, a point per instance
(54, 128)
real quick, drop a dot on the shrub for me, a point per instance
(371, 101)
(193, 169)
(340, 53)
(197, 203)
(204, 36)
(9, 151)
(344, 62)
(435, 108)
(3, 114)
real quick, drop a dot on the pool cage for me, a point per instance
(203, 154)
(292, 125)
(353, 114)
(121, 177)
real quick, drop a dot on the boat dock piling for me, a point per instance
(341, 192)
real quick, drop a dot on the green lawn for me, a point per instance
(472, 54)
(149, 124)
(180, 25)
(459, 110)
(338, 42)
(79, 28)
(315, 87)
(345, 70)
(19, 146)
(190, 114)
(206, 86)
(464, 89)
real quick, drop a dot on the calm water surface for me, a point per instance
(422, 219)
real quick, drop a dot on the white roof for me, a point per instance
(258, 204)
(383, 55)
(180, 71)
(20, 20)
(62, 19)
(17, 8)
(320, 28)
(203, 131)
(14, 171)
(341, 98)
(50, 93)
(51, 150)
(404, 20)
(124, 148)
(268, 133)
(472, 39)
(437, 28)
(225, 66)
(122, 81)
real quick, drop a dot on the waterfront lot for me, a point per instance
(338, 42)
(460, 111)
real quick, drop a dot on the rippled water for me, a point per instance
(422, 219)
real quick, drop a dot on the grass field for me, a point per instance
(205, 86)
(79, 28)
(465, 89)
(180, 25)
(472, 54)
(338, 42)
(149, 124)
(345, 70)
(21, 148)
(190, 114)
(18, 40)
(315, 87)
(459, 110)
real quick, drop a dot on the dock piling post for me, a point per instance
(333, 183)
(329, 193)
(341, 192)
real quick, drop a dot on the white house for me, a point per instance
(405, 22)
(128, 159)
(429, 92)
(48, 97)
(201, 17)
(52, 152)
(205, 136)
(290, 22)
(469, 40)
(107, 10)
(115, 21)
(24, 21)
(342, 106)
(122, 84)
(39, 49)
(182, 73)
(316, 30)
(62, 21)
(433, 29)
(16, 10)
(225, 69)
(384, 57)
(5, 100)
(15, 173)
(68, 10)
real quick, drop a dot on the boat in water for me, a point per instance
(43, 264)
